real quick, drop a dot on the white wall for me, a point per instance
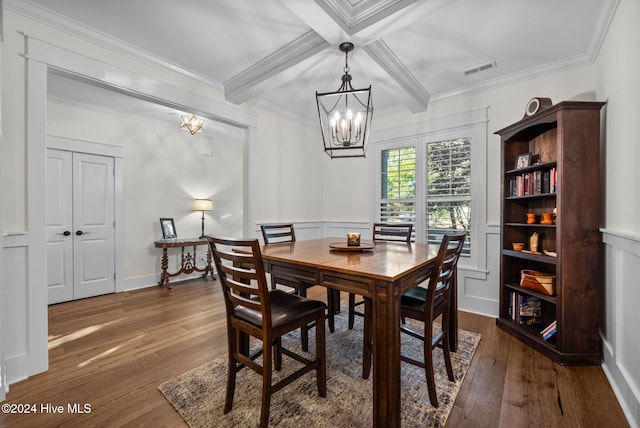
(295, 181)
(617, 82)
(288, 170)
(164, 170)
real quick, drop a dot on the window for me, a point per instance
(398, 188)
(432, 174)
(448, 204)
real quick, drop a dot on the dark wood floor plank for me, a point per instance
(113, 351)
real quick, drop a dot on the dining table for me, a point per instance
(380, 271)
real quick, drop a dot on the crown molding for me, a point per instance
(77, 29)
(609, 8)
(529, 74)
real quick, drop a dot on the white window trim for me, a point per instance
(473, 125)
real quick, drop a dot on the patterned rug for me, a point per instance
(198, 395)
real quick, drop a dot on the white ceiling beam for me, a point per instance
(238, 88)
(415, 97)
(316, 17)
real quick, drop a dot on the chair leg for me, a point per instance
(352, 309)
(231, 370)
(277, 354)
(428, 368)
(304, 331)
(367, 348)
(446, 349)
(447, 359)
(321, 372)
(266, 385)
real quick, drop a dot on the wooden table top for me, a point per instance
(387, 261)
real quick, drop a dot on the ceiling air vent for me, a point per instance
(480, 68)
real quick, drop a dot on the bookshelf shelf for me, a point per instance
(518, 289)
(565, 141)
(533, 257)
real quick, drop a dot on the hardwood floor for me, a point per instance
(111, 353)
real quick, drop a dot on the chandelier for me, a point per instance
(345, 115)
(192, 123)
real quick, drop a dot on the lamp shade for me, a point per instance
(203, 205)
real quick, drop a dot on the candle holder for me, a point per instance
(353, 239)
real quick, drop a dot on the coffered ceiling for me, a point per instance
(279, 52)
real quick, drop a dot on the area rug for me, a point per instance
(198, 395)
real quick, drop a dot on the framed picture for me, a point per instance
(523, 160)
(168, 228)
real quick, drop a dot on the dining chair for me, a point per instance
(426, 304)
(252, 309)
(283, 233)
(392, 232)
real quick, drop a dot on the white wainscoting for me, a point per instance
(15, 310)
(620, 320)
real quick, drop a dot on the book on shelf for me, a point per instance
(548, 332)
(546, 181)
(533, 183)
(530, 310)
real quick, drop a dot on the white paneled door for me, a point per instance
(80, 225)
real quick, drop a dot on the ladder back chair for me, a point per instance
(392, 232)
(252, 309)
(427, 304)
(282, 233)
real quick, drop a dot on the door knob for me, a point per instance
(65, 233)
(79, 232)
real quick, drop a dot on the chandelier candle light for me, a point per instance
(345, 117)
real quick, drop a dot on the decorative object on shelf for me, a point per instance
(523, 160)
(353, 239)
(203, 205)
(192, 123)
(345, 115)
(537, 104)
(531, 218)
(168, 228)
(547, 218)
(533, 242)
(518, 246)
(539, 281)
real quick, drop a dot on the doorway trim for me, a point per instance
(42, 58)
(117, 153)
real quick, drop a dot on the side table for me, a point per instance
(188, 260)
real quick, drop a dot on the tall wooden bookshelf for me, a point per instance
(564, 141)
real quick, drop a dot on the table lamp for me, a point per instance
(203, 205)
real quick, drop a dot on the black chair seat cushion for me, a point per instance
(416, 298)
(285, 308)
